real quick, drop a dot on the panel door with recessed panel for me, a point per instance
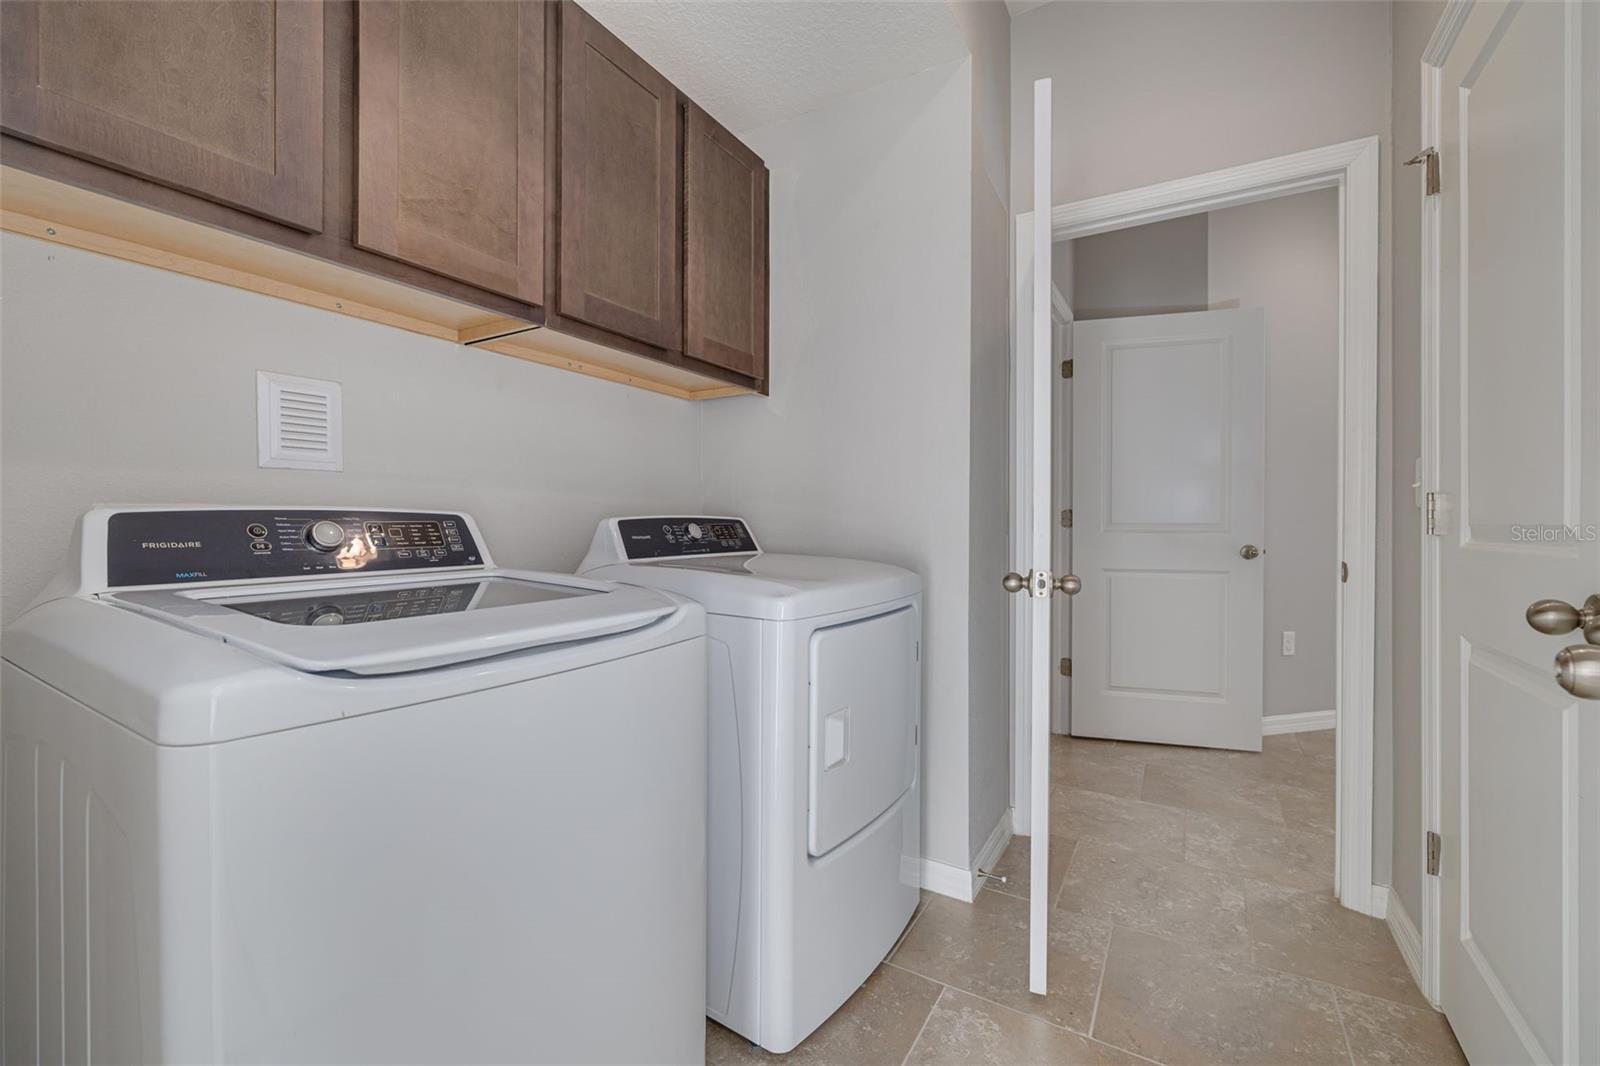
(1168, 423)
(862, 723)
(1518, 215)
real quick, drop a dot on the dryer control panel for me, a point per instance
(169, 547)
(676, 537)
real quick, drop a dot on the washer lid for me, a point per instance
(372, 625)
(771, 585)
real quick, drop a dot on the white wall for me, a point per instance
(1282, 256)
(127, 384)
(864, 447)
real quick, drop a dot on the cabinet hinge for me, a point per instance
(1066, 368)
(1066, 518)
(1066, 667)
(1428, 158)
(1435, 845)
(1344, 573)
(1431, 520)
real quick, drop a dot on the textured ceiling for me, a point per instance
(754, 62)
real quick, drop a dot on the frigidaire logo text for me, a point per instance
(170, 544)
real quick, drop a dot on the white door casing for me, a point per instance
(1061, 418)
(1168, 421)
(1353, 168)
(1518, 494)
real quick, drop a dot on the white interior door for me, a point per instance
(1519, 484)
(1032, 581)
(1168, 513)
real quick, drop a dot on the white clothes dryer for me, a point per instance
(814, 799)
(326, 785)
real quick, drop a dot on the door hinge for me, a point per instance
(919, 651)
(1428, 158)
(1066, 518)
(1066, 667)
(1432, 518)
(1344, 573)
(1066, 368)
(1435, 845)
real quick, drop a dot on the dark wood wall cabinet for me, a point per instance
(507, 175)
(725, 248)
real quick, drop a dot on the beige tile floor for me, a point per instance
(1191, 922)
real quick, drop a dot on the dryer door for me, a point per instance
(863, 719)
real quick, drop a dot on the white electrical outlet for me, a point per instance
(1288, 642)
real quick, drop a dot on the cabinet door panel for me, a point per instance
(619, 188)
(221, 98)
(452, 129)
(725, 248)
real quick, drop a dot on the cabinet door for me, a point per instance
(725, 248)
(221, 99)
(619, 224)
(452, 126)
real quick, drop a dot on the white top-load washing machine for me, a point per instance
(326, 785)
(813, 807)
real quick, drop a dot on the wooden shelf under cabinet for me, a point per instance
(64, 214)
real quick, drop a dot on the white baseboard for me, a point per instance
(1301, 722)
(963, 884)
(1380, 901)
(1406, 938)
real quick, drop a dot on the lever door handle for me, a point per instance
(1555, 617)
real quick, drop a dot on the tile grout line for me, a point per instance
(1010, 1010)
(1105, 963)
(943, 988)
(1338, 1011)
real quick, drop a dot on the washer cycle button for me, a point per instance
(260, 546)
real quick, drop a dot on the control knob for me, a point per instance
(694, 531)
(325, 536)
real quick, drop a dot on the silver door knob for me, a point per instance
(1013, 582)
(1578, 671)
(1069, 584)
(1250, 551)
(1555, 617)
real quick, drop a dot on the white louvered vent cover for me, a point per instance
(299, 423)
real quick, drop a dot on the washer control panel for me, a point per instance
(674, 538)
(169, 547)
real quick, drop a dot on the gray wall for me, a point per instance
(1147, 270)
(1413, 25)
(1146, 92)
(988, 31)
(1149, 92)
(865, 446)
(1283, 256)
(127, 384)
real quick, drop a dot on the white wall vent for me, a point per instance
(298, 422)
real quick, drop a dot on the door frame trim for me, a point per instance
(1352, 168)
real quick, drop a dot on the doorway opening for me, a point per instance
(1347, 174)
